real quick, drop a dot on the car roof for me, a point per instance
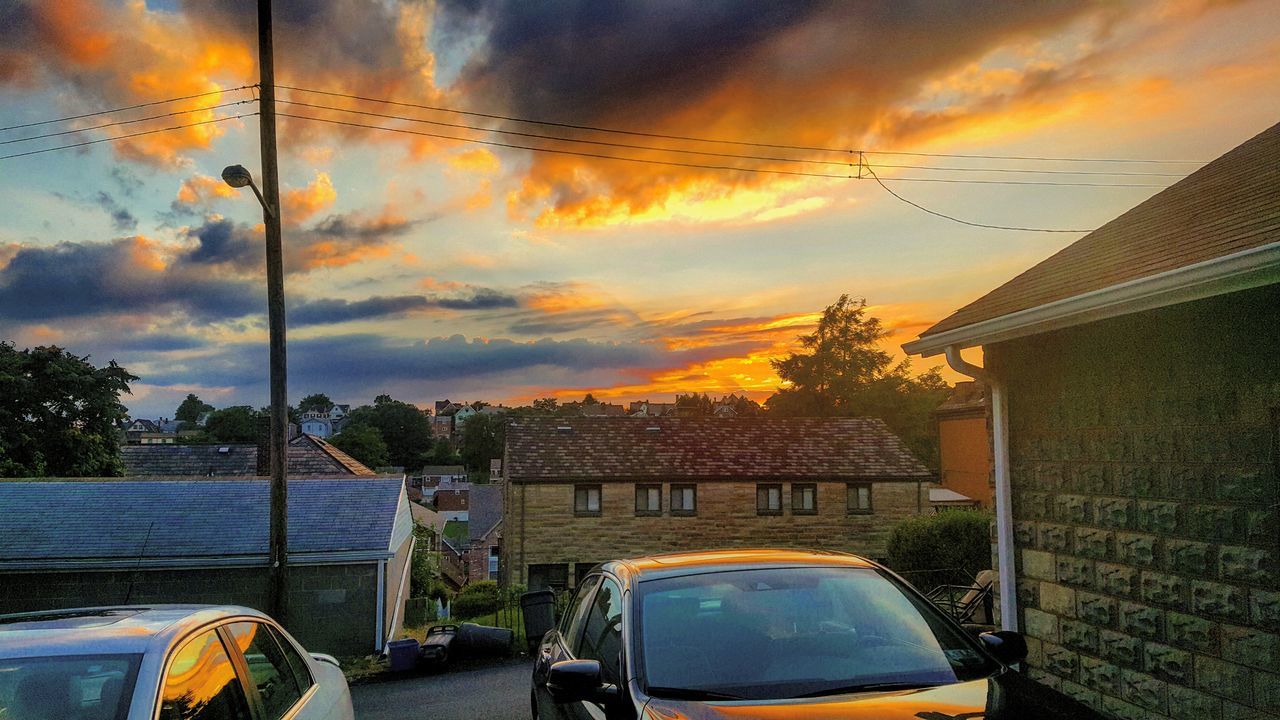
(126, 629)
(651, 567)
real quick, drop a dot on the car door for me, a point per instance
(276, 677)
(557, 646)
(601, 640)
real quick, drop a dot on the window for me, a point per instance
(67, 686)
(804, 499)
(648, 500)
(571, 623)
(549, 576)
(860, 498)
(493, 562)
(586, 499)
(581, 569)
(684, 499)
(769, 499)
(201, 683)
(269, 669)
(602, 632)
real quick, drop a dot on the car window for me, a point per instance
(602, 631)
(296, 661)
(571, 627)
(269, 669)
(201, 683)
(90, 687)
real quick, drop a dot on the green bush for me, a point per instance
(476, 599)
(948, 548)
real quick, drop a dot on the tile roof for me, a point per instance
(486, 509)
(308, 455)
(110, 519)
(444, 470)
(1225, 207)
(710, 448)
(451, 500)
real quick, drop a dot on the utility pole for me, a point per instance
(278, 592)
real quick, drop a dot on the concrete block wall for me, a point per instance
(1144, 466)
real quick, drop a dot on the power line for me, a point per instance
(1036, 172)
(964, 222)
(688, 138)
(1053, 183)
(122, 109)
(122, 122)
(126, 137)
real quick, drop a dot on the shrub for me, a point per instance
(476, 599)
(948, 548)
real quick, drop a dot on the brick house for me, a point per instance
(583, 490)
(484, 532)
(453, 504)
(1136, 424)
(93, 542)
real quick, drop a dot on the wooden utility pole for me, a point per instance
(279, 583)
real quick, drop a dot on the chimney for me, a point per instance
(262, 430)
(495, 469)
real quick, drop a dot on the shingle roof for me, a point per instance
(485, 511)
(111, 519)
(308, 455)
(1228, 206)
(710, 448)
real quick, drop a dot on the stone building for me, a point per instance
(584, 490)
(93, 542)
(308, 456)
(1136, 419)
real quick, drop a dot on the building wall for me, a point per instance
(331, 606)
(395, 578)
(541, 528)
(1145, 477)
(965, 454)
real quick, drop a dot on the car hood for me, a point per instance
(1003, 697)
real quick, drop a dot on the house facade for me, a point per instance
(484, 532)
(964, 449)
(325, 423)
(1136, 426)
(580, 491)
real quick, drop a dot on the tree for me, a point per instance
(483, 438)
(364, 443)
(403, 427)
(234, 424)
(842, 372)
(546, 406)
(590, 399)
(319, 402)
(442, 453)
(59, 414)
(191, 409)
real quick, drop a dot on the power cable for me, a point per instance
(122, 109)
(126, 137)
(123, 122)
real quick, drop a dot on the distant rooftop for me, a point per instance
(308, 455)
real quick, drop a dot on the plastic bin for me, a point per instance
(435, 650)
(484, 640)
(539, 609)
(402, 654)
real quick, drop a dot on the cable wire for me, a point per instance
(122, 122)
(126, 137)
(122, 109)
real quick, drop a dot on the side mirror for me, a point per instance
(1007, 646)
(579, 681)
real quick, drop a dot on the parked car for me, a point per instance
(774, 634)
(171, 662)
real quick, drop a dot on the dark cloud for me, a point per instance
(121, 218)
(336, 240)
(325, 312)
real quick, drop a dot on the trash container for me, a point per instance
(435, 651)
(402, 654)
(484, 640)
(539, 609)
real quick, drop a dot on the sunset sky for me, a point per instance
(430, 268)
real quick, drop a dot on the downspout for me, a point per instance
(382, 592)
(1004, 501)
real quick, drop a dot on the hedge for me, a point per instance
(476, 599)
(948, 548)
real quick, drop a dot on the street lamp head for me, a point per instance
(236, 176)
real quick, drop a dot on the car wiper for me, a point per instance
(869, 687)
(673, 693)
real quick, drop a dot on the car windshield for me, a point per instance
(75, 687)
(794, 632)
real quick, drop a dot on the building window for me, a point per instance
(586, 499)
(549, 576)
(859, 498)
(648, 499)
(804, 499)
(493, 562)
(684, 499)
(769, 499)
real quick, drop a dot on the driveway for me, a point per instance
(499, 692)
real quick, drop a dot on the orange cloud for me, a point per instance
(300, 204)
(202, 189)
(479, 160)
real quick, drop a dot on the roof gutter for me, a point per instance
(1006, 571)
(1230, 273)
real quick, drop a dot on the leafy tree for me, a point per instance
(319, 402)
(364, 443)
(191, 409)
(403, 427)
(842, 371)
(59, 414)
(234, 424)
(694, 405)
(442, 453)
(546, 406)
(590, 399)
(483, 438)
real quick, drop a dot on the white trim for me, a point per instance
(379, 637)
(1004, 507)
(404, 582)
(1230, 273)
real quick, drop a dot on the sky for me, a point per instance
(426, 267)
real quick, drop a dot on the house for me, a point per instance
(325, 423)
(583, 490)
(453, 504)
(308, 455)
(1135, 394)
(116, 542)
(460, 417)
(484, 532)
(964, 445)
(441, 427)
(148, 432)
(644, 408)
(434, 477)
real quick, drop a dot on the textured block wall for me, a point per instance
(1144, 469)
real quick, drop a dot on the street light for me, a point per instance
(238, 176)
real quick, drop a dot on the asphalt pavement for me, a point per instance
(496, 692)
